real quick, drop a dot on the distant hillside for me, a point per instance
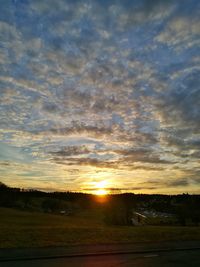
(186, 207)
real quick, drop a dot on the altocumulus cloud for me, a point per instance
(95, 90)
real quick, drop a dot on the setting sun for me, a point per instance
(100, 188)
(101, 192)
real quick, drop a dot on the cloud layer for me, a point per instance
(100, 90)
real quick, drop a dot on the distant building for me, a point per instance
(63, 212)
(138, 219)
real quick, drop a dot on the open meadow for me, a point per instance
(32, 229)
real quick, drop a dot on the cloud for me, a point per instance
(71, 151)
(14, 154)
(181, 32)
(179, 183)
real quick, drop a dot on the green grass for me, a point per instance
(25, 229)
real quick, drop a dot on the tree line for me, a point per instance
(117, 209)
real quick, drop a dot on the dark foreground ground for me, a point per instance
(33, 229)
(176, 259)
(152, 254)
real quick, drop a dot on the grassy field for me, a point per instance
(24, 229)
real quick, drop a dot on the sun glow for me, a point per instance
(101, 192)
(100, 188)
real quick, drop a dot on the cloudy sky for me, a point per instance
(100, 94)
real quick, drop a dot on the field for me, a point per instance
(29, 229)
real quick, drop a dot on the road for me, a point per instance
(184, 258)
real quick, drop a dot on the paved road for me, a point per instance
(185, 258)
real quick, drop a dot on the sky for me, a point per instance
(100, 95)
